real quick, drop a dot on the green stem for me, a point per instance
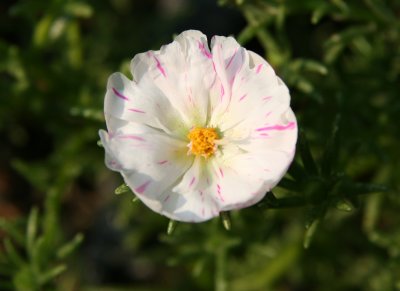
(220, 276)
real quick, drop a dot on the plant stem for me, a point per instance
(220, 276)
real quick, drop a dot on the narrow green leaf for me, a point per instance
(31, 230)
(171, 226)
(310, 232)
(344, 205)
(41, 32)
(372, 212)
(36, 173)
(381, 10)
(124, 188)
(79, 9)
(319, 12)
(277, 55)
(270, 201)
(12, 253)
(346, 36)
(70, 247)
(88, 113)
(247, 34)
(315, 213)
(289, 184)
(226, 220)
(341, 5)
(308, 65)
(365, 188)
(316, 67)
(40, 253)
(333, 52)
(297, 171)
(308, 161)
(51, 274)
(74, 50)
(267, 274)
(287, 202)
(330, 156)
(198, 267)
(304, 85)
(12, 231)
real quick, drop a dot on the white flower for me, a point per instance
(197, 132)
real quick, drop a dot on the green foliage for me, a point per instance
(332, 222)
(32, 260)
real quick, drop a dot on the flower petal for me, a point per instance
(228, 58)
(253, 91)
(143, 104)
(278, 132)
(191, 200)
(182, 72)
(194, 203)
(248, 177)
(153, 171)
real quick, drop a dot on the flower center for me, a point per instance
(202, 141)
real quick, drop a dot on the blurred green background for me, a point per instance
(331, 224)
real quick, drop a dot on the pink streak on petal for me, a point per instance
(231, 59)
(117, 93)
(215, 70)
(162, 162)
(190, 99)
(241, 98)
(232, 79)
(266, 98)
(202, 211)
(259, 67)
(142, 187)
(204, 51)
(221, 172)
(131, 136)
(166, 198)
(136, 110)
(220, 197)
(290, 125)
(201, 195)
(159, 66)
(192, 181)
(222, 91)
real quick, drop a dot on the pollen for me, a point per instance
(202, 141)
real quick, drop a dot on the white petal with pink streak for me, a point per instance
(183, 72)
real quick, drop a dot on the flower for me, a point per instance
(197, 132)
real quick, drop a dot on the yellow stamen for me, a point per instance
(202, 141)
